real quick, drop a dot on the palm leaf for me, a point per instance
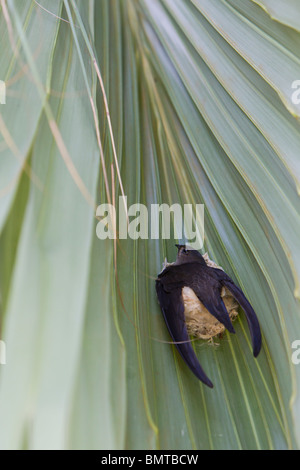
(167, 102)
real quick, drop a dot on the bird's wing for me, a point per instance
(173, 311)
(208, 291)
(252, 319)
(217, 308)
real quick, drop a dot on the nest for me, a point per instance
(199, 322)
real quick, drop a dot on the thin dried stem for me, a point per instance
(110, 130)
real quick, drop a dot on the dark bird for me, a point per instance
(197, 297)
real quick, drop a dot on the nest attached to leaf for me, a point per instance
(199, 321)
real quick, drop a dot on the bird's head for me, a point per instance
(188, 255)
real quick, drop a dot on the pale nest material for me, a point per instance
(199, 321)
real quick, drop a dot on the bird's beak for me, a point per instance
(179, 246)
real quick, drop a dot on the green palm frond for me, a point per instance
(165, 101)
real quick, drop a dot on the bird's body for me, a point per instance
(197, 297)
